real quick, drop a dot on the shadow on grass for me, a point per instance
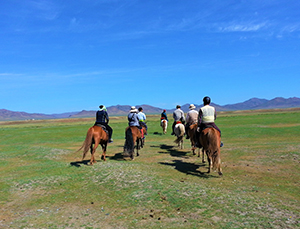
(79, 163)
(117, 157)
(172, 150)
(156, 133)
(188, 168)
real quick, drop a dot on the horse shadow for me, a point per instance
(79, 163)
(172, 150)
(188, 168)
(117, 157)
(156, 133)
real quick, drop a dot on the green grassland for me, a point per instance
(44, 184)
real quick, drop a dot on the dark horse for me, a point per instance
(210, 140)
(192, 131)
(134, 139)
(95, 136)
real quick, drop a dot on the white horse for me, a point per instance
(164, 125)
(179, 131)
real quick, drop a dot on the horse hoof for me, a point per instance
(220, 174)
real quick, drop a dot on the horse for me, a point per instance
(179, 131)
(134, 139)
(95, 136)
(164, 125)
(210, 140)
(192, 131)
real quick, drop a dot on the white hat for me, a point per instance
(133, 110)
(192, 107)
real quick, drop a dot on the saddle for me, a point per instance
(208, 126)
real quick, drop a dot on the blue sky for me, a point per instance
(61, 56)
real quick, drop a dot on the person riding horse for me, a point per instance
(142, 118)
(164, 115)
(133, 119)
(207, 116)
(191, 118)
(103, 119)
(178, 116)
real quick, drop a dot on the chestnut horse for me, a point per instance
(95, 136)
(164, 125)
(134, 139)
(210, 139)
(179, 131)
(192, 131)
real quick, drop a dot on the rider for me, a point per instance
(133, 119)
(142, 118)
(207, 116)
(178, 115)
(164, 115)
(191, 118)
(103, 119)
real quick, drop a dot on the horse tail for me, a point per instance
(179, 139)
(129, 144)
(87, 142)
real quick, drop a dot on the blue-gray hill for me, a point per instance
(251, 104)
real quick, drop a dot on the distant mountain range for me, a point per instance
(251, 104)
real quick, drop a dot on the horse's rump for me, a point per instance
(210, 140)
(179, 130)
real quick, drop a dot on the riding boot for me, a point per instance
(142, 131)
(109, 136)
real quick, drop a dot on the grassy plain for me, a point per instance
(44, 184)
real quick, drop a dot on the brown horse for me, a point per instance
(210, 139)
(164, 125)
(192, 131)
(134, 139)
(95, 136)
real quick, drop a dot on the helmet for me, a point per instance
(206, 100)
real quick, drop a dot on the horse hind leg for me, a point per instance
(209, 159)
(219, 166)
(138, 146)
(93, 150)
(103, 152)
(203, 156)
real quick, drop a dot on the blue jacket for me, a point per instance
(133, 119)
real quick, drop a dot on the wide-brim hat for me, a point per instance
(133, 110)
(192, 107)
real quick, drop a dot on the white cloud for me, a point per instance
(236, 27)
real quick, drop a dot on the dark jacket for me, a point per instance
(102, 117)
(164, 115)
